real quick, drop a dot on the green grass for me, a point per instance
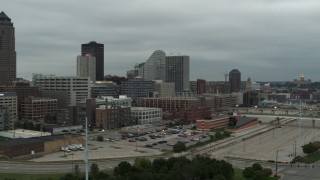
(238, 175)
(3, 138)
(311, 158)
(4, 176)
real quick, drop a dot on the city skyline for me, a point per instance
(265, 40)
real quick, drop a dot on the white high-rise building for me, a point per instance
(76, 87)
(154, 68)
(178, 71)
(86, 66)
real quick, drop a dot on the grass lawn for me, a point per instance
(238, 175)
(311, 158)
(3, 138)
(4, 176)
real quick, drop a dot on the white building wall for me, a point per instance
(86, 67)
(77, 87)
(146, 115)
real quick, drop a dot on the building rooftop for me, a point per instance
(20, 141)
(244, 120)
(8, 94)
(4, 17)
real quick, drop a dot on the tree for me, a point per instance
(256, 167)
(50, 118)
(76, 169)
(219, 177)
(141, 163)
(37, 127)
(100, 138)
(248, 172)
(218, 135)
(267, 172)
(309, 148)
(179, 147)
(17, 124)
(122, 168)
(94, 171)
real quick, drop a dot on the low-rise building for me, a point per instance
(215, 122)
(144, 115)
(9, 100)
(37, 146)
(35, 109)
(113, 117)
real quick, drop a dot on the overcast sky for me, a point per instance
(267, 40)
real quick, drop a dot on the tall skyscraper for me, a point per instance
(7, 51)
(154, 68)
(96, 50)
(178, 71)
(86, 67)
(235, 80)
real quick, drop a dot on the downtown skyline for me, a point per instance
(265, 40)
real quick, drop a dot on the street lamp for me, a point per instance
(137, 140)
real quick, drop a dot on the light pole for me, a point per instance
(277, 163)
(72, 162)
(137, 140)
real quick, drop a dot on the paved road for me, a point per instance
(51, 167)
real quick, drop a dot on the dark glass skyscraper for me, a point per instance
(235, 80)
(177, 71)
(7, 51)
(96, 50)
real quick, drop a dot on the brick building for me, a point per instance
(216, 122)
(35, 109)
(113, 117)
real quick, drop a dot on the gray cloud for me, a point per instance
(265, 39)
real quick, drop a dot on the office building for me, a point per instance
(86, 67)
(8, 100)
(7, 51)
(4, 118)
(178, 72)
(113, 117)
(217, 87)
(235, 80)
(198, 87)
(22, 90)
(170, 104)
(82, 110)
(104, 88)
(96, 50)
(137, 88)
(164, 89)
(76, 87)
(35, 109)
(145, 115)
(154, 68)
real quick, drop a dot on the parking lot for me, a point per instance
(116, 144)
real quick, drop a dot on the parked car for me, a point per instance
(149, 145)
(132, 140)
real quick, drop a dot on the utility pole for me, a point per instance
(86, 153)
(277, 164)
(300, 124)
